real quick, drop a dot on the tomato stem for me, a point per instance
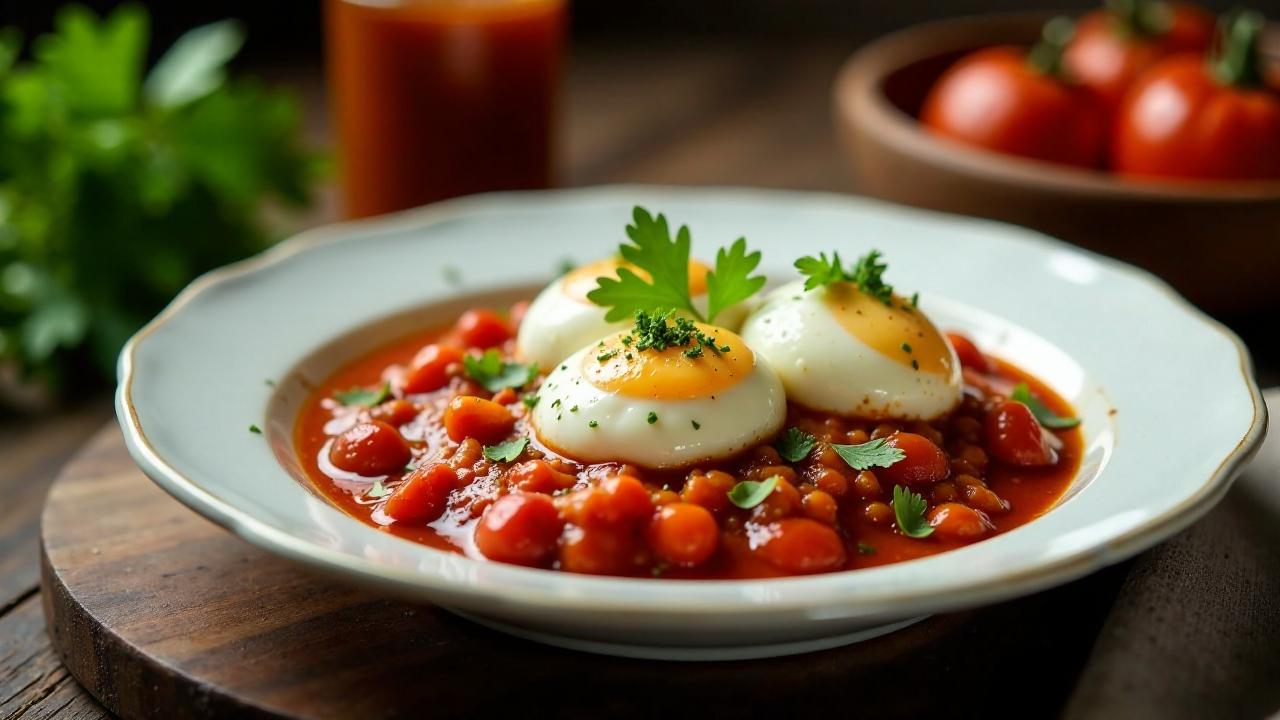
(1046, 56)
(1140, 18)
(1237, 62)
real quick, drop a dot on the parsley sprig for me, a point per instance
(666, 260)
(750, 493)
(506, 451)
(1046, 416)
(364, 397)
(874, 453)
(659, 331)
(908, 510)
(794, 444)
(496, 374)
(867, 273)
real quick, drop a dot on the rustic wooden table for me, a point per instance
(685, 114)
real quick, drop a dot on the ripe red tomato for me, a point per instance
(1190, 119)
(1112, 48)
(1000, 100)
(481, 328)
(370, 448)
(968, 353)
(924, 464)
(521, 528)
(1015, 437)
(424, 495)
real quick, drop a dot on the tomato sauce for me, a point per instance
(439, 98)
(454, 487)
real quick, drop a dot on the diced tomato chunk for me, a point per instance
(710, 489)
(370, 448)
(924, 464)
(620, 500)
(683, 534)
(472, 417)
(395, 412)
(539, 477)
(800, 545)
(968, 353)
(481, 328)
(599, 550)
(424, 495)
(1015, 437)
(521, 528)
(430, 368)
(954, 521)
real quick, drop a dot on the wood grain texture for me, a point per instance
(161, 614)
(33, 682)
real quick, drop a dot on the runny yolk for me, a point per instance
(582, 280)
(902, 335)
(669, 374)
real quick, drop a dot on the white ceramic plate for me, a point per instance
(1170, 407)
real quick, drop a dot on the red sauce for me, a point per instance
(439, 98)
(623, 520)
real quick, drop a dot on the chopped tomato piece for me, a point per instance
(618, 500)
(472, 417)
(924, 464)
(395, 412)
(538, 476)
(683, 534)
(599, 550)
(954, 521)
(710, 489)
(430, 368)
(800, 545)
(968, 353)
(370, 449)
(482, 328)
(522, 528)
(1015, 437)
(424, 495)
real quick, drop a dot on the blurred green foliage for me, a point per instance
(118, 186)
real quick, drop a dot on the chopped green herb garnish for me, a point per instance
(653, 417)
(506, 451)
(565, 267)
(915, 299)
(377, 491)
(874, 453)
(866, 549)
(592, 423)
(908, 510)
(255, 429)
(530, 400)
(658, 331)
(496, 374)
(364, 397)
(693, 352)
(867, 274)
(696, 425)
(666, 260)
(915, 364)
(906, 348)
(794, 444)
(269, 382)
(606, 355)
(750, 493)
(573, 409)
(1046, 416)
(555, 403)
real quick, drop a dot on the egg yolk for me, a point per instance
(618, 368)
(582, 280)
(897, 331)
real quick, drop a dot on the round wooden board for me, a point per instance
(159, 613)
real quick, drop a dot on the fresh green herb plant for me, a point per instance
(377, 491)
(118, 186)
(908, 511)
(666, 260)
(867, 274)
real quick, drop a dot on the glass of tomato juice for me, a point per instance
(438, 98)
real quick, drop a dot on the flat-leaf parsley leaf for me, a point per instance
(794, 444)
(875, 453)
(666, 260)
(496, 374)
(506, 451)
(750, 493)
(1047, 417)
(363, 397)
(908, 510)
(867, 274)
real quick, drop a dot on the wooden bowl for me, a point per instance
(1216, 242)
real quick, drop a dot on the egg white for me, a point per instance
(826, 368)
(732, 420)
